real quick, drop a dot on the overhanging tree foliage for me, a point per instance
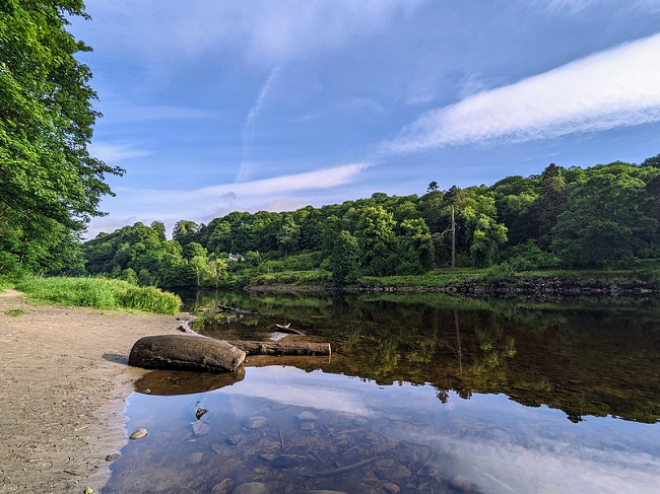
(49, 184)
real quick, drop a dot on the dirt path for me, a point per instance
(63, 380)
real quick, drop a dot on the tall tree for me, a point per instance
(375, 235)
(345, 257)
(47, 176)
(185, 232)
(416, 250)
(552, 202)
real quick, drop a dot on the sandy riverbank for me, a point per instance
(63, 381)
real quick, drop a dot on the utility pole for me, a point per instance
(453, 240)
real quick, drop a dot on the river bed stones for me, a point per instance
(267, 452)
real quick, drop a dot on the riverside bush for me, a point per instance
(101, 294)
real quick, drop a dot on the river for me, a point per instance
(423, 393)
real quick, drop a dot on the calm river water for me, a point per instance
(424, 393)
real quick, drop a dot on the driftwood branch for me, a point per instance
(286, 328)
(282, 348)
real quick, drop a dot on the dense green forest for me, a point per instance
(605, 216)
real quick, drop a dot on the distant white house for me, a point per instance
(236, 258)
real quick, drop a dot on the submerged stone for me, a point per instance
(222, 487)
(251, 488)
(324, 492)
(306, 416)
(256, 422)
(461, 483)
(200, 428)
(288, 461)
(236, 439)
(196, 458)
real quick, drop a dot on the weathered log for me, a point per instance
(301, 361)
(181, 352)
(282, 348)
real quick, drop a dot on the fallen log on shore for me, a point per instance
(282, 348)
(182, 352)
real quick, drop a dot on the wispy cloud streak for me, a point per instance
(575, 7)
(314, 180)
(112, 152)
(250, 121)
(614, 88)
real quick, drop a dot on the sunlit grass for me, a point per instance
(100, 293)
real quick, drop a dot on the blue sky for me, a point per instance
(216, 106)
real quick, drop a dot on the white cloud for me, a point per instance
(118, 113)
(567, 6)
(270, 194)
(549, 465)
(265, 31)
(573, 7)
(354, 107)
(314, 180)
(112, 152)
(610, 89)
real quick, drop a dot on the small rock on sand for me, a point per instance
(138, 434)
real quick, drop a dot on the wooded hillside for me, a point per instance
(603, 216)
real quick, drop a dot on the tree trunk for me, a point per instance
(282, 348)
(181, 352)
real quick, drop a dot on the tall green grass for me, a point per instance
(100, 293)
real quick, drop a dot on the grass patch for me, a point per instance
(14, 312)
(436, 278)
(293, 278)
(105, 294)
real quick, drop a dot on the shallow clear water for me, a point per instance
(423, 393)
